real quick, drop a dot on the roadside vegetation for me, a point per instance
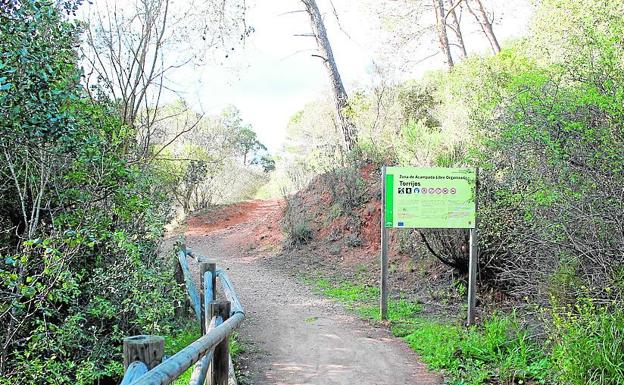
(94, 164)
(89, 177)
(186, 334)
(542, 119)
(503, 349)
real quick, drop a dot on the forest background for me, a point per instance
(94, 165)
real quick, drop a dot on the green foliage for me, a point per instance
(588, 344)
(218, 161)
(80, 222)
(313, 146)
(187, 333)
(267, 163)
(236, 347)
(400, 311)
(346, 292)
(183, 336)
(552, 154)
(38, 78)
(501, 350)
(363, 299)
(248, 143)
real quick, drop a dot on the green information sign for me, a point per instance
(431, 197)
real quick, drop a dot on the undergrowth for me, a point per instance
(588, 343)
(188, 333)
(499, 351)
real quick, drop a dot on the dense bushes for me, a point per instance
(548, 121)
(79, 220)
(588, 344)
(545, 117)
(543, 121)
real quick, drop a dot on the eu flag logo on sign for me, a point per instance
(400, 224)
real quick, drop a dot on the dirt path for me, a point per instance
(299, 337)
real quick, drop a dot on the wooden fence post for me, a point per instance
(203, 321)
(221, 360)
(181, 306)
(207, 266)
(147, 349)
(211, 369)
(212, 267)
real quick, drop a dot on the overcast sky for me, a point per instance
(274, 75)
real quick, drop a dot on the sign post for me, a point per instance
(472, 264)
(472, 277)
(383, 290)
(429, 198)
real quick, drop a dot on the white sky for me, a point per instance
(271, 78)
(276, 79)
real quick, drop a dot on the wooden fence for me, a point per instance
(143, 355)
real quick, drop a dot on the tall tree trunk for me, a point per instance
(438, 6)
(485, 23)
(341, 98)
(456, 28)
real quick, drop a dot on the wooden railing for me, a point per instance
(144, 358)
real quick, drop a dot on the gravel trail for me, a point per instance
(296, 336)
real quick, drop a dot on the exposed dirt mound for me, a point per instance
(343, 212)
(345, 239)
(262, 217)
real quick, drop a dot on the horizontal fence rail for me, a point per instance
(134, 372)
(143, 355)
(229, 291)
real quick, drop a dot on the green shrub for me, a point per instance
(500, 350)
(588, 344)
(296, 222)
(301, 234)
(81, 217)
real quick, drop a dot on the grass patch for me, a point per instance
(399, 311)
(499, 351)
(363, 299)
(347, 292)
(588, 344)
(186, 335)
